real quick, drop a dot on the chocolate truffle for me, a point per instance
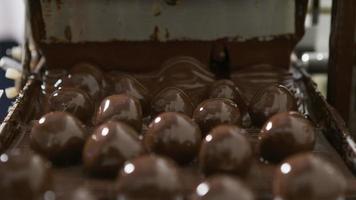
(269, 101)
(120, 107)
(285, 134)
(111, 144)
(74, 101)
(52, 80)
(174, 135)
(149, 177)
(58, 136)
(129, 85)
(226, 150)
(24, 176)
(227, 89)
(213, 112)
(222, 188)
(306, 176)
(87, 78)
(172, 99)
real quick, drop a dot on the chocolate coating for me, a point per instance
(213, 112)
(23, 176)
(285, 134)
(225, 150)
(306, 176)
(58, 136)
(172, 99)
(52, 80)
(87, 78)
(269, 101)
(149, 177)
(222, 188)
(227, 89)
(74, 101)
(174, 135)
(129, 85)
(111, 144)
(120, 107)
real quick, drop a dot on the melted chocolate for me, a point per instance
(59, 137)
(149, 177)
(174, 135)
(130, 86)
(87, 78)
(227, 89)
(269, 101)
(285, 134)
(121, 108)
(172, 99)
(110, 145)
(306, 176)
(213, 112)
(222, 188)
(74, 101)
(226, 150)
(24, 176)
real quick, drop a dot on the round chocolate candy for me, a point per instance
(285, 134)
(222, 187)
(129, 85)
(24, 176)
(74, 101)
(226, 150)
(111, 144)
(58, 136)
(149, 177)
(120, 107)
(269, 101)
(52, 80)
(306, 176)
(213, 112)
(87, 78)
(172, 99)
(227, 89)
(174, 135)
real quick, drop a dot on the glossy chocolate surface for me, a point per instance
(149, 177)
(128, 85)
(172, 99)
(87, 78)
(74, 101)
(222, 188)
(285, 134)
(58, 136)
(269, 101)
(173, 135)
(108, 148)
(120, 107)
(306, 176)
(24, 176)
(226, 150)
(227, 89)
(213, 112)
(52, 80)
